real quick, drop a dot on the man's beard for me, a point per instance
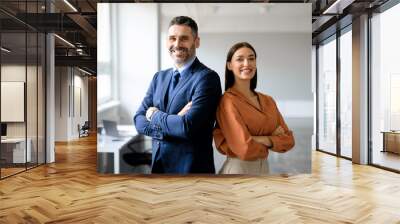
(183, 50)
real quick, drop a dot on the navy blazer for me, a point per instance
(184, 143)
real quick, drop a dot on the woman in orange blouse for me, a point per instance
(249, 123)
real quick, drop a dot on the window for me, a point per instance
(385, 88)
(327, 96)
(346, 94)
(104, 65)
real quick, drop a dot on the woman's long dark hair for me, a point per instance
(229, 77)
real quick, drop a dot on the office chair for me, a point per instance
(139, 155)
(84, 130)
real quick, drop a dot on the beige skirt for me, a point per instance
(238, 166)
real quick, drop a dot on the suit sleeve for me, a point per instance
(284, 142)
(234, 136)
(143, 126)
(204, 104)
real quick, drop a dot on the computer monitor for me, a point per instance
(3, 129)
(111, 128)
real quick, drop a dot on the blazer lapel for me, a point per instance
(189, 73)
(164, 91)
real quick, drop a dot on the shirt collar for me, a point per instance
(241, 97)
(185, 66)
(237, 92)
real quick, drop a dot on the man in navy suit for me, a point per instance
(178, 111)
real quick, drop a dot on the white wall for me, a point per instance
(12, 73)
(138, 54)
(68, 82)
(283, 65)
(242, 17)
(81, 104)
(33, 125)
(135, 60)
(61, 103)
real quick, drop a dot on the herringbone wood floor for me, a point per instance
(70, 191)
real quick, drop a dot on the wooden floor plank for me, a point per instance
(70, 191)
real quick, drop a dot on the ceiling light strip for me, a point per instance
(5, 49)
(84, 71)
(64, 40)
(70, 5)
(331, 7)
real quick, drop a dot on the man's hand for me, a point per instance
(278, 131)
(150, 112)
(185, 109)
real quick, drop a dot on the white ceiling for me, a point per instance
(242, 17)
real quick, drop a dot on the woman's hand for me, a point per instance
(278, 131)
(263, 140)
(185, 109)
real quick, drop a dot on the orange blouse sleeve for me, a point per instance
(232, 137)
(220, 142)
(283, 142)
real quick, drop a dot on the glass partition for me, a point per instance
(22, 88)
(13, 110)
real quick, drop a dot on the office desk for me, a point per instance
(391, 141)
(112, 145)
(16, 147)
(127, 154)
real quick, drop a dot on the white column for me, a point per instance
(50, 100)
(360, 90)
